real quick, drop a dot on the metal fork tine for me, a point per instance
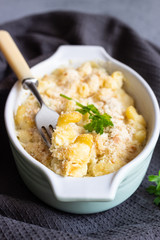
(44, 138)
(48, 130)
(46, 117)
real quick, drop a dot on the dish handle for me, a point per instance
(70, 189)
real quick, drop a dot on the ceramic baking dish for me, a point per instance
(88, 194)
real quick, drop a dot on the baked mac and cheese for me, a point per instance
(75, 151)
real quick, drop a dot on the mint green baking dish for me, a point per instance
(89, 194)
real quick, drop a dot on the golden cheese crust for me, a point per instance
(74, 151)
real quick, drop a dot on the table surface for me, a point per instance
(143, 16)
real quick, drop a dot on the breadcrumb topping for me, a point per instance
(74, 151)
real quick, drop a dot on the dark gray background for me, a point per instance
(142, 15)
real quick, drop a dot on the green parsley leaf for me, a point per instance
(151, 189)
(157, 192)
(157, 200)
(156, 188)
(154, 178)
(64, 96)
(98, 121)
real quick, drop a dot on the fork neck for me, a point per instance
(31, 84)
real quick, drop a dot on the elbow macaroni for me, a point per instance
(74, 151)
(139, 124)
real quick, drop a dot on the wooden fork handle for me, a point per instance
(13, 56)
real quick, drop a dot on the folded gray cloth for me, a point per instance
(22, 215)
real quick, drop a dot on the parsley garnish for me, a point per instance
(98, 121)
(155, 189)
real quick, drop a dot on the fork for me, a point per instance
(46, 118)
